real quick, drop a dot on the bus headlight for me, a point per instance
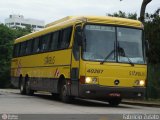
(141, 82)
(91, 80)
(88, 80)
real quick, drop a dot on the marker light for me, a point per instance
(137, 82)
(94, 80)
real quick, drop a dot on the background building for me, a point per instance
(15, 21)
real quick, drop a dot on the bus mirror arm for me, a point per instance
(79, 40)
(79, 29)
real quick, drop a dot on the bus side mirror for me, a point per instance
(79, 35)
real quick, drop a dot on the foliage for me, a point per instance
(124, 15)
(152, 32)
(7, 35)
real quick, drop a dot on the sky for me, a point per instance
(51, 10)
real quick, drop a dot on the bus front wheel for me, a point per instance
(114, 102)
(63, 93)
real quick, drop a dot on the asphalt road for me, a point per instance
(11, 102)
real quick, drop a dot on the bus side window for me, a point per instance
(24, 46)
(76, 51)
(42, 41)
(36, 47)
(29, 45)
(19, 53)
(40, 47)
(21, 49)
(32, 46)
(45, 42)
(66, 37)
(53, 44)
(18, 49)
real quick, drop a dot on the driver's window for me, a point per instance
(76, 50)
(99, 43)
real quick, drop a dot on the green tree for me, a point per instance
(6, 39)
(152, 33)
(124, 15)
(7, 36)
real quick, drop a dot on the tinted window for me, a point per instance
(53, 45)
(45, 42)
(65, 38)
(17, 50)
(53, 41)
(28, 48)
(76, 46)
(32, 46)
(22, 48)
(36, 45)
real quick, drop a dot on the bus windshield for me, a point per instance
(101, 40)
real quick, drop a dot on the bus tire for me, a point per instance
(55, 96)
(28, 87)
(22, 86)
(63, 92)
(114, 102)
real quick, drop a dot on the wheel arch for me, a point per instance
(60, 81)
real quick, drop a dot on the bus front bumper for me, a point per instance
(104, 92)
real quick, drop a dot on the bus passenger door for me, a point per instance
(75, 66)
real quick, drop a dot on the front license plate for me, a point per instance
(114, 94)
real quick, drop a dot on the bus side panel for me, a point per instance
(43, 69)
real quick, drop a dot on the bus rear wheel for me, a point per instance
(28, 88)
(22, 88)
(114, 102)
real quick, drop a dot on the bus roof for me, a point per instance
(70, 20)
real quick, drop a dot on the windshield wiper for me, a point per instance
(122, 52)
(106, 58)
(130, 61)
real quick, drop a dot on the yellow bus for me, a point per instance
(91, 57)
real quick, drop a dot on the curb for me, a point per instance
(141, 104)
